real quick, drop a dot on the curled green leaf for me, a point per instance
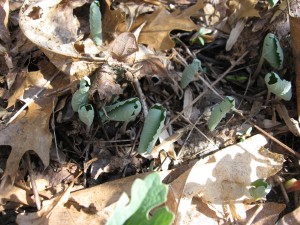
(272, 51)
(122, 111)
(86, 114)
(273, 2)
(260, 188)
(154, 122)
(80, 97)
(145, 195)
(96, 23)
(219, 112)
(281, 88)
(189, 73)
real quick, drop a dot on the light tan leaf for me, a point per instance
(31, 127)
(244, 8)
(54, 27)
(156, 34)
(228, 174)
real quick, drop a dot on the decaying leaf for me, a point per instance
(157, 34)
(149, 67)
(123, 46)
(31, 127)
(105, 85)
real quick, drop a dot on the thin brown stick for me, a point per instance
(32, 181)
(141, 95)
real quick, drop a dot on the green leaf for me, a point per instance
(272, 51)
(260, 188)
(241, 78)
(96, 23)
(86, 114)
(154, 122)
(281, 88)
(273, 2)
(81, 96)
(122, 111)
(189, 73)
(219, 112)
(85, 84)
(202, 41)
(145, 195)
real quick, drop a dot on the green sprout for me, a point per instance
(199, 36)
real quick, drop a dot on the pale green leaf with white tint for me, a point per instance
(219, 112)
(80, 97)
(85, 84)
(145, 195)
(96, 23)
(281, 88)
(189, 73)
(122, 111)
(153, 125)
(86, 114)
(273, 2)
(272, 51)
(260, 188)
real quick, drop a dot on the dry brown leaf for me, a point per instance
(133, 10)
(243, 8)
(156, 34)
(111, 19)
(42, 216)
(228, 174)
(4, 13)
(54, 27)
(149, 67)
(123, 46)
(105, 85)
(31, 127)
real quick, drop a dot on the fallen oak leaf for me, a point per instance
(156, 34)
(30, 131)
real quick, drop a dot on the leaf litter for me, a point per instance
(145, 48)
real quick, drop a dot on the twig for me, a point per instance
(32, 99)
(54, 132)
(204, 92)
(141, 95)
(287, 148)
(32, 181)
(257, 211)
